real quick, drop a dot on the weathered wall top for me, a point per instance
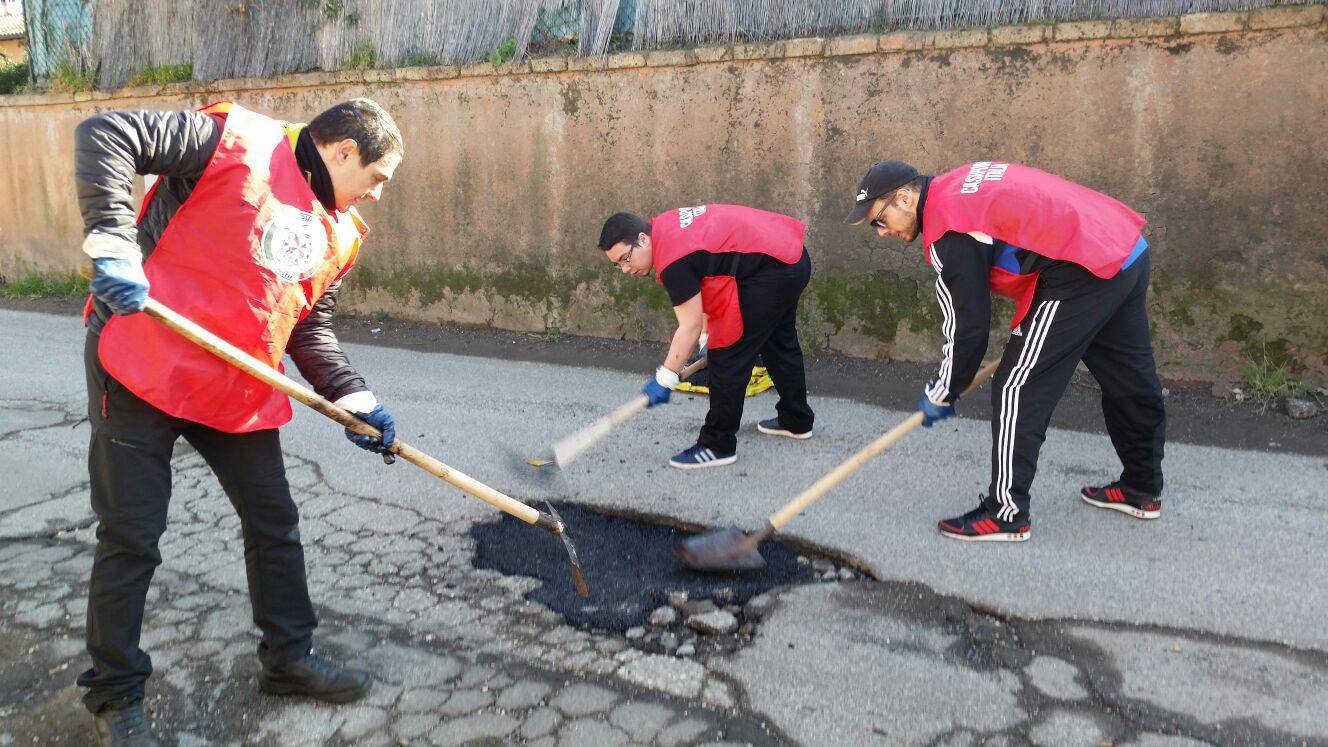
(1193, 24)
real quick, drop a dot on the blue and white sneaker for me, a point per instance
(772, 427)
(699, 456)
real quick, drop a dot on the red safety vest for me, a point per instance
(720, 229)
(1033, 210)
(247, 256)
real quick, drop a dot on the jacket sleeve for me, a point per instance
(962, 265)
(317, 353)
(110, 148)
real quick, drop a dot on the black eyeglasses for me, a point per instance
(626, 256)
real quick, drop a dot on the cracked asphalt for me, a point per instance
(1205, 627)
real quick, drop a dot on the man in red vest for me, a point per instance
(739, 272)
(248, 230)
(1077, 267)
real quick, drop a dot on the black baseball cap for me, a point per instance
(881, 178)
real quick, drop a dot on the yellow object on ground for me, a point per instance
(759, 382)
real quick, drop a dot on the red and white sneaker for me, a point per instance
(981, 525)
(1118, 497)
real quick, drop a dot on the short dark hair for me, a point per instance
(622, 227)
(363, 121)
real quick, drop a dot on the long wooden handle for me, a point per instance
(851, 465)
(571, 447)
(188, 329)
(695, 366)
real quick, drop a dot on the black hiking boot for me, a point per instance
(125, 725)
(316, 677)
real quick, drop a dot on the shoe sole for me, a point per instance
(339, 697)
(720, 462)
(1124, 508)
(993, 537)
(784, 433)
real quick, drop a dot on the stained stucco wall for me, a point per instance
(1215, 126)
(13, 50)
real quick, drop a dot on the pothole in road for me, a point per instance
(638, 586)
(1066, 670)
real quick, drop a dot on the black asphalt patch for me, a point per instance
(630, 565)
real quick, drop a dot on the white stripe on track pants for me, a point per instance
(1106, 328)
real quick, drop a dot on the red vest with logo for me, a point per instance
(246, 256)
(721, 229)
(1033, 210)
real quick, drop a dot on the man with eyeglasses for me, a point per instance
(1077, 267)
(739, 272)
(248, 230)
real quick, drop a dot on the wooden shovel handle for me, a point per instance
(205, 339)
(571, 447)
(851, 465)
(695, 366)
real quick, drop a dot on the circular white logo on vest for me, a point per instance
(293, 244)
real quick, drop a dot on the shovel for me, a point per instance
(571, 447)
(731, 550)
(205, 339)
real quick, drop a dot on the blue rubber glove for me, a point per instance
(658, 389)
(382, 420)
(656, 393)
(120, 284)
(931, 412)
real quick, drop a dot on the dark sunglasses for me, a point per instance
(877, 222)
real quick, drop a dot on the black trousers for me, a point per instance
(129, 466)
(1106, 328)
(769, 305)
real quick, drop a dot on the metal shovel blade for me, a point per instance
(573, 563)
(722, 550)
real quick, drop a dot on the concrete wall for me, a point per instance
(1213, 125)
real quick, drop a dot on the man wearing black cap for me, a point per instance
(1077, 267)
(740, 271)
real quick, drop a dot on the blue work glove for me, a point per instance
(658, 389)
(931, 412)
(120, 284)
(382, 420)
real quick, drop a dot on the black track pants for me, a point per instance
(769, 304)
(1106, 328)
(129, 465)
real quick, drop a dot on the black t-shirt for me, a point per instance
(682, 279)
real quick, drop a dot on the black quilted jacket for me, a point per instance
(110, 148)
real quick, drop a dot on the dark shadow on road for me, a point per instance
(1194, 415)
